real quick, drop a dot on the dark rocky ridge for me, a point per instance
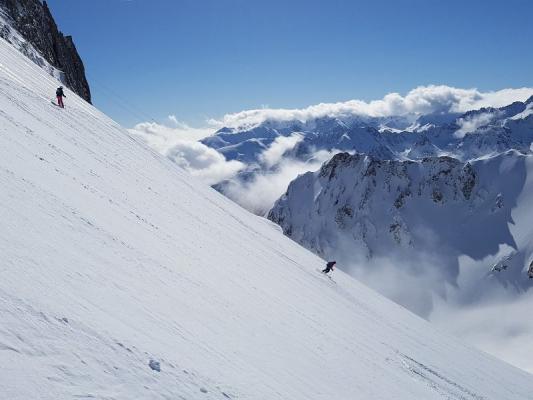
(34, 21)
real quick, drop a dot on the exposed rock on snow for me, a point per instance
(30, 26)
(155, 365)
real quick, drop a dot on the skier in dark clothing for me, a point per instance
(329, 267)
(60, 94)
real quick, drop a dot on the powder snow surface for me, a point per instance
(124, 278)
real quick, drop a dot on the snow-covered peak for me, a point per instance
(430, 212)
(423, 148)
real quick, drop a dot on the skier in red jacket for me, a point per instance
(60, 94)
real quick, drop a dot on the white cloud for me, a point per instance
(162, 137)
(481, 311)
(421, 100)
(179, 142)
(476, 308)
(203, 162)
(278, 148)
(260, 194)
(501, 327)
(473, 122)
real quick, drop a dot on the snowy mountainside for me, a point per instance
(430, 212)
(123, 277)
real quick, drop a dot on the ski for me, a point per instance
(57, 105)
(327, 275)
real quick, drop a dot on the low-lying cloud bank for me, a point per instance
(180, 143)
(501, 327)
(421, 100)
(163, 136)
(495, 319)
(203, 162)
(259, 194)
(472, 123)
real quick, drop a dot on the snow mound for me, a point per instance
(123, 278)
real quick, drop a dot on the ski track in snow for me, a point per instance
(115, 263)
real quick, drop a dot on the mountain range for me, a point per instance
(465, 136)
(422, 207)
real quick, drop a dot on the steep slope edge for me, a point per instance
(122, 277)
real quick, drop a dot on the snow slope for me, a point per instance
(112, 259)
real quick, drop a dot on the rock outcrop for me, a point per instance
(357, 209)
(34, 21)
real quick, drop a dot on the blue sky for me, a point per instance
(198, 59)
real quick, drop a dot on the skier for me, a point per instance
(60, 94)
(530, 270)
(329, 267)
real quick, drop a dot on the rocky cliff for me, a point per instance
(421, 216)
(34, 21)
